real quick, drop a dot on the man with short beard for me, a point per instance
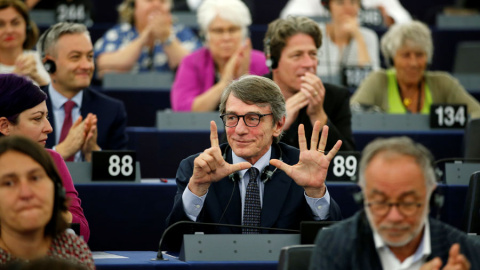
(394, 230)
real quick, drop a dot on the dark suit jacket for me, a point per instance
(111, 114)
(349, 245)
(284, 204)
(337, 108)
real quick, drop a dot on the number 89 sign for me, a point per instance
(113, 165)
(344, 167)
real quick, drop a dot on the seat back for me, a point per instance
(467, 58)
(295, 257)
(471, 215)
(472, 141)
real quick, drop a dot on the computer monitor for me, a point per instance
(471, 216)
(310, 229)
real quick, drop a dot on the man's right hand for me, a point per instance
(293, 105)
(210, 166)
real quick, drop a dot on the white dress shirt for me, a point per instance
(414, 262)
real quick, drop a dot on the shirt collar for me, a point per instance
(423, 250)
(263, 162)
(58, 99)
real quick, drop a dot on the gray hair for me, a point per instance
(48, 40)
(234, 11)
(261, 91)
(414, 33)
(280, 30)
(399, 146)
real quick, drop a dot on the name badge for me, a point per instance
(344, 167)
(448, 116)
(371, 17)
(352, 76)
(113, 165)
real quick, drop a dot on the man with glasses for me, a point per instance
(394, 230)
(239, 183)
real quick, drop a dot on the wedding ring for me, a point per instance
(315, 93)
(321, 151)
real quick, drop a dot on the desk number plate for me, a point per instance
(344, 167)
(448, 116)
(113, 165)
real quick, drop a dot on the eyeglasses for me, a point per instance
(381, 209)
(250, 119)
(220, 31)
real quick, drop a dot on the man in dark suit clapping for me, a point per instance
(83, 119)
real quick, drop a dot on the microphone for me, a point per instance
(190, 227)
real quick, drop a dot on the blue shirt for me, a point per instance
(122, 34)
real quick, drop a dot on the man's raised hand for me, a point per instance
(210, 166)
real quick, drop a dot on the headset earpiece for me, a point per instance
(271, 63)
(49, 64)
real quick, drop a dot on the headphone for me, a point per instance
(49, 64)
(266, 174)
(271, 62)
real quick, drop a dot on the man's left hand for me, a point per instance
(311, 170)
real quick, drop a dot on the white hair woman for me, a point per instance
(146, 40)
(227, 55)
(407, 86)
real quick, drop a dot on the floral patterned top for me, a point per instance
(65, 246)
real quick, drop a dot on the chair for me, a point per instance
(295, 257)
(472, 142)
(471, 214)
(467, 58)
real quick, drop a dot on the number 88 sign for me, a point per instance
(113, 165)
(344, 167)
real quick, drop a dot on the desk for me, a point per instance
(142, 260)
(132, 216)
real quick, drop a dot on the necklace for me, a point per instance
(408, 101)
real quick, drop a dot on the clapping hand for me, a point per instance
(311, 170)
(456, 261)
(210, 166)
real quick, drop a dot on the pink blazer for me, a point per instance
(75, 203)
(196, 75)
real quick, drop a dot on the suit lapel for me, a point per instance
(86, 103)
(275, 192)
(227, 201)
